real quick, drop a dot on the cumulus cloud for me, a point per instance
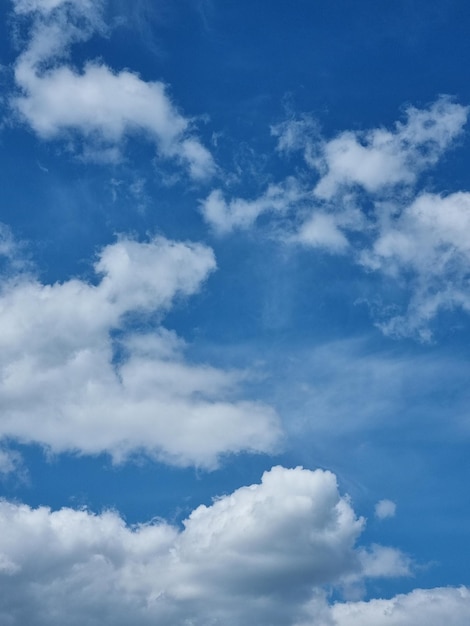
(254, 556)
(427, 243)
(101, 105)
(421, 607)
(77, 375)
(357, 197)
(377, 158)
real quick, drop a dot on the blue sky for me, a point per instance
(234, 313)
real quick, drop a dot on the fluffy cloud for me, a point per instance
(385, 509)
(421, 607)
(253, 556)
(378, 158)
(426, 242)
(224, 216)
(69, 383)
(322, 231)
(101, 105)
(354, 198)
(323, 390)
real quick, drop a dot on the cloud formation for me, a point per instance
(426, 242)
(421, 607)
(78, 375)
(378, 159)
(100, 105)
(357, 197)
(224, 217)
(254, 556)
(385, 509)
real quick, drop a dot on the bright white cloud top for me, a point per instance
(102, 105)
(258, 553)
(64, 386)
(288, 290)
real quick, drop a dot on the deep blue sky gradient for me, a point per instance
(237, 69)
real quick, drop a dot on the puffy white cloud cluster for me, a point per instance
(68, 384)
(257, 555)
(427, 239)
(380, 158)
(102, 105)
(400, 237)
(421, 607)
(417, 239)
(375, 160)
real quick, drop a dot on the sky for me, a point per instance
(234, 313)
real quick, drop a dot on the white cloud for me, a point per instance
(98, 101)
(360, 204)
(253, 556)
(376, 159)
(293, 527)
(65, 383)
(382, 561)
(102, 105)
(224, 216)
(421, 607)
(427, 243)
(321, 230)
(385, 509)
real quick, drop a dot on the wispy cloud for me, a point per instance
(358, 196)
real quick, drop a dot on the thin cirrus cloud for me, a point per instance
(257, 554)
(414, 238)
(99, 104)
(69, 385)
